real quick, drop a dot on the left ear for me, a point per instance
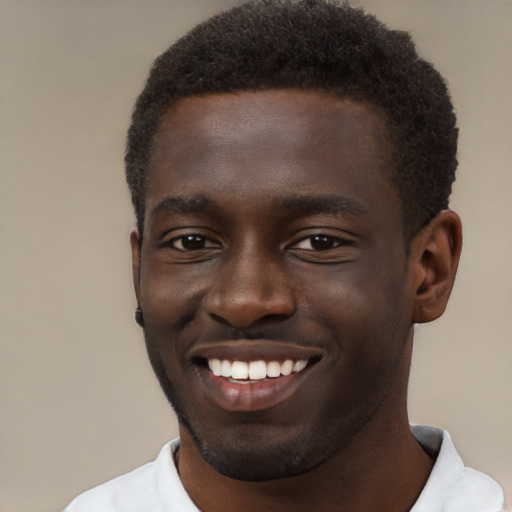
(434, 258)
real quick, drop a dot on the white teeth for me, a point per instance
(225, 369)
(255, 370)
(239, 370)
(215, 366)
(287, 367)
(273, 369)
(299, 366)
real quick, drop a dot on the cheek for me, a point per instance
(366, 307)
(170, 301)
(170, 292)
(367, 317)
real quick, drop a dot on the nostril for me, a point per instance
(250, 310)
(247, 291)
(221, 320)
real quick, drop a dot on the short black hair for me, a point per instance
(314, 45)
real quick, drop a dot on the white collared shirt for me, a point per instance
(156, 486)
(451, 486)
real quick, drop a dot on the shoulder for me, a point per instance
(480, 488)
(474, 491)
(121, 493)
(452, 486)
(134, 491)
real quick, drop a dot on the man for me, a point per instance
(290, 165)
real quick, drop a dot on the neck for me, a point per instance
(382, 468)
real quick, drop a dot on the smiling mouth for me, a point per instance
(253, 371)
(253, 375)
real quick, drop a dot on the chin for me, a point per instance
(264, 447)
(255, 458)
(250, 452)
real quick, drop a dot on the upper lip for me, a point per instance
(255, 350)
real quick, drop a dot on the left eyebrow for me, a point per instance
(323, 204)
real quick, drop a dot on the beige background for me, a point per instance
(79, 401)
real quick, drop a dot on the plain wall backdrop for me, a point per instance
(79, 402)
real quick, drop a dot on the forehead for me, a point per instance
(268, 142)
(315, 112)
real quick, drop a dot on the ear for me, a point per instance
(434, 256)
(135, 247)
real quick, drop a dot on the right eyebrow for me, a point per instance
(183, 204)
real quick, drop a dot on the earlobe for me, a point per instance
(435, 253)
(135, 248)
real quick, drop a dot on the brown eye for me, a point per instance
(318, 243)
(189, 243)
(322, 242)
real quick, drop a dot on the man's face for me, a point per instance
(273, 243)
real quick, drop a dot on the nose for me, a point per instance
(249, 288)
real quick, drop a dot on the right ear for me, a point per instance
(135, 247)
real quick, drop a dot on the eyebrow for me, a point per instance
(324, 204)
(184, 204)
(300, 204)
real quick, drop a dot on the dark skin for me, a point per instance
(273, 231)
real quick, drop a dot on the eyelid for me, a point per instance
(172, 235)
(339, 239)
(343, 251)
(337, 243)
(209, 243)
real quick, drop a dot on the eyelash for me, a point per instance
(201, 239)
(203, 242)
(332, 242)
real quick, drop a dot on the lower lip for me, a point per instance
(251, 395)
